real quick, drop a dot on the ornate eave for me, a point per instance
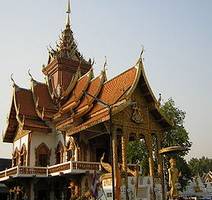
(72, 84)
(87, 102)
(12, 125)
(117, 93)
(23, 114)
(154, 106)
(113, 93)
(44, 106)
(77, 93)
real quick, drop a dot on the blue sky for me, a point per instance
(176, 36)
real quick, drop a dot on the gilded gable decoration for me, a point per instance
(136, 115)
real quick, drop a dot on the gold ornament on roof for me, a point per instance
(136, 116)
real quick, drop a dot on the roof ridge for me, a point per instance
(33, 80)
(120, 74)
(86, 74)
(16, 87)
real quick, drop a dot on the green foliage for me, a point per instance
(177, 135)
(200, 166)
(136, 152)
(185, 171)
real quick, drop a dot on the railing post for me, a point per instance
(47, 170)
(17, 170)
(71, 165)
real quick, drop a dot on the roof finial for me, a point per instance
(68, 13)
(30, 74)
(159, 99)
(104, 68)
(142, 51)
(11, 77)
(105, 64)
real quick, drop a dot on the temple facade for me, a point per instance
(69, 128)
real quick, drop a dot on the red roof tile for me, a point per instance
(114, 89)
(93, 89)
(23, 111)
(42, 99)
(77, 92)
(24, 102)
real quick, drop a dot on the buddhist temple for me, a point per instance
(75, 126)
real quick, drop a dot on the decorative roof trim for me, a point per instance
(41, 111)
(85, 109)
(155, 102)
(138, 66)
(72, 83)
(76, 101)
(17, 107)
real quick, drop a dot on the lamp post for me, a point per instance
(110, 133)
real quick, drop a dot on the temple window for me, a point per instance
(70, 155)
(59, 153)
(132, 137)
(23, 155)
(16, 155)
(42, 154)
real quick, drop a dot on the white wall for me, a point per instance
(50, 139)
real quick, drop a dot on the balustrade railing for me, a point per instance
(70, 166)
(67, 167)
(78, 165)
(32, 170)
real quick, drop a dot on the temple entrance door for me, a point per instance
(42, 190)
(42, 195)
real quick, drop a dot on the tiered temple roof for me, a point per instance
(31, 109)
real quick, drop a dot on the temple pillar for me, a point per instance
(115, 165)
(160, 164)
(124, 160)
(32, 190)
(150, 156)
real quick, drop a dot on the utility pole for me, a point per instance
(111, 138)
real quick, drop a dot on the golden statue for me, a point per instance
(173, 178)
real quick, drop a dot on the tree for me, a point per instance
(177, 135)
(136, 151)
(200, 166)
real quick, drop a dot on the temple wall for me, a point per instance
(18, 143)
(39, 138)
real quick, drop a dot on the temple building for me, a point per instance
(66, 129)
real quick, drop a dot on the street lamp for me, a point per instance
(110, 133)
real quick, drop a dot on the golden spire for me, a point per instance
(66, 47)
(68, 13)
